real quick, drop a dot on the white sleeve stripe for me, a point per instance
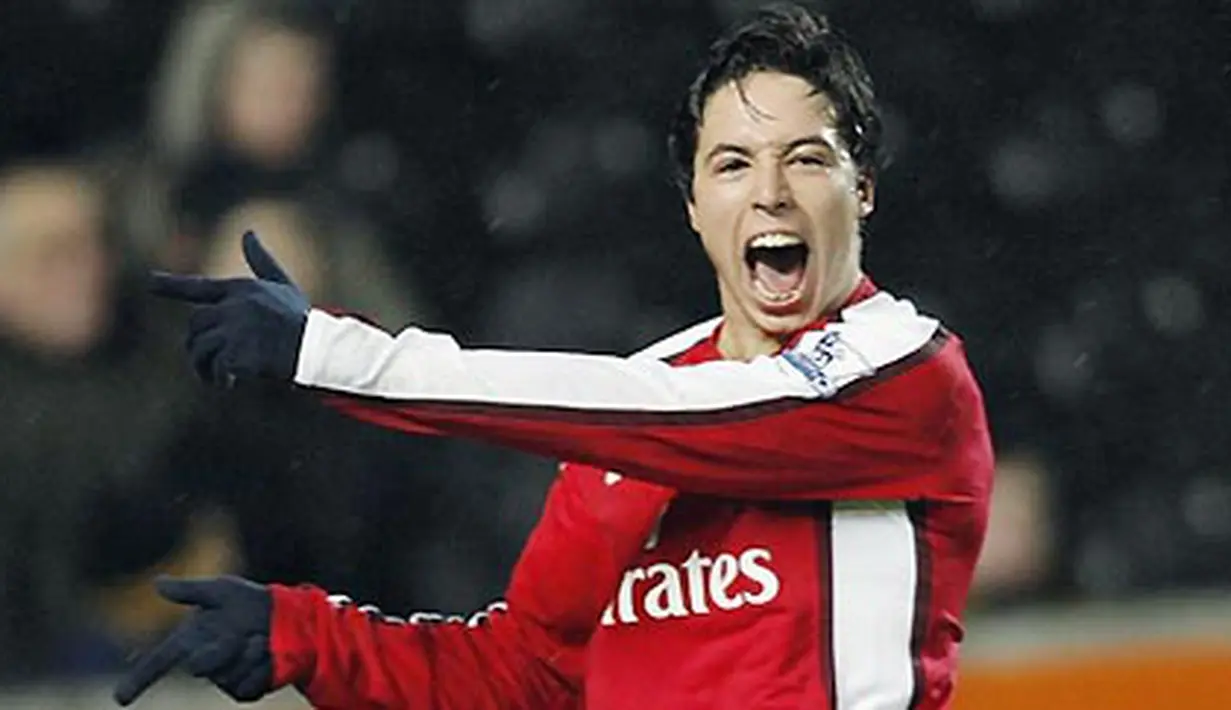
(347, 355)
(732, 414)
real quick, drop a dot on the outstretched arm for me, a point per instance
(867, 408)
(879, 404)
(527, 654)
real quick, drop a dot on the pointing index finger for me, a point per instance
(204, 593)
(191, 289)
(151, 667)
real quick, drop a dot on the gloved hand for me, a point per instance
(225, 639)
(241, 328)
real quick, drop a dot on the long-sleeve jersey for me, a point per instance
(795, 531)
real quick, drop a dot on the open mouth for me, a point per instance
(777, 262)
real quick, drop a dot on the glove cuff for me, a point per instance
(285, 356)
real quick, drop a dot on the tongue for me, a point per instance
(781, 279)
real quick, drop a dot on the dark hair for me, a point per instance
(790, 39)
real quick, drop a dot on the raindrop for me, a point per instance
(514, 205)
(1063, 366)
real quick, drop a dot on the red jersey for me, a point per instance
(795, 531)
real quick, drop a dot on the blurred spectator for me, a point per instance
(1017, 557)
(250, 118)
(265, 72)
(239, 102)
(56, 273)
(91, 387)
(239, 132)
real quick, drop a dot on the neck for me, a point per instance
(743, 340)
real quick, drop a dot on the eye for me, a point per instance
(812, 160)
(730, 165)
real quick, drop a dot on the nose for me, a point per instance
(772, 192)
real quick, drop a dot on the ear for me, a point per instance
(865, 190)
(691, 206)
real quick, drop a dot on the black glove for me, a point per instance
(225, 639)
(241, 328)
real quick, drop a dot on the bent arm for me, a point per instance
(527, 655)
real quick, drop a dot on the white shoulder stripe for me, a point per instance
(679, 341)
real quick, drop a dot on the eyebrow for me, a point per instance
(812, 140)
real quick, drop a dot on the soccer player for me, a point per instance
(778, 508)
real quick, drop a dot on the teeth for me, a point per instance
(775, 240)
(773, 296)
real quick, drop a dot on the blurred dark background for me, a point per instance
(1057, 195)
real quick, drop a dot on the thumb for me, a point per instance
(262, 262)
(205, 593)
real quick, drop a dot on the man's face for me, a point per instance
(777, 201)
(274, 93)
(55, 273)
